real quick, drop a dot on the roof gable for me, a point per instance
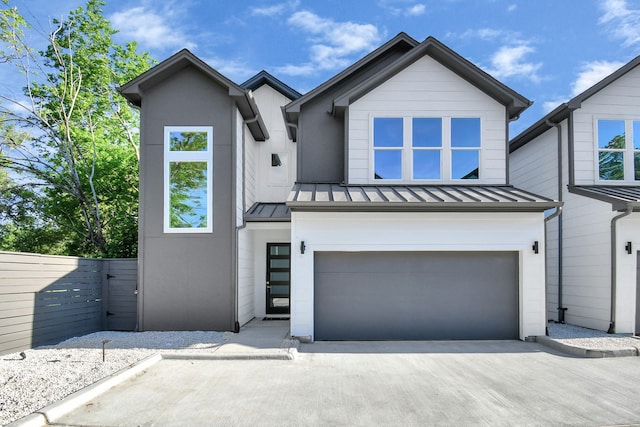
(565, 109)
(433, 48)
(134, 90)
(264, 78)
(401, 41)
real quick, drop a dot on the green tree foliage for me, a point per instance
(69, 142)
(611, 163)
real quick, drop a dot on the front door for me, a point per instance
(278, 278)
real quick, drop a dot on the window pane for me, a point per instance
(464, 164)
(387, 132)
(427, 132)
(277, 276)
(280, 250)
(636, 165)
(426, 164)
(610, 134)
(465, 132)
(188, 194)
(279, 263)
(187, 141)
(387, 164)
(611, 165)
(636, 135)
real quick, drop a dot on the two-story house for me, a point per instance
(586, 153)
(376, 206)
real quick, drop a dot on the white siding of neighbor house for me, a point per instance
(628, 230)
(273, 183)
(251, 147)
(427, 89)
(587, 261)
(534, 167)
(376, 231)
(619, 100)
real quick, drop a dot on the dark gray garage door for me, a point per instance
(415, 295)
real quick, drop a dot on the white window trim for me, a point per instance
(407, 150)
(628, 152)
(188, 156)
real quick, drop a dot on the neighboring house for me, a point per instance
(399, 220)
(586, 153)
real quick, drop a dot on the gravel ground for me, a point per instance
(48, 374)
(591, 339)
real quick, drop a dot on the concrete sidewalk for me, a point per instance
(258, 339)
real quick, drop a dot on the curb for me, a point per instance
(50, 413)
(288, 355)
(585, 352)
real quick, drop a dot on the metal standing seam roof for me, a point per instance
(620, 197)
(321, 196)
(268, 212)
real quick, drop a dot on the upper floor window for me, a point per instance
(188, 156)
(618, 150)
(426, 148)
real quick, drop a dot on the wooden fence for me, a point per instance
(45, 299)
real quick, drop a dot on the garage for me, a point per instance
(415, 295)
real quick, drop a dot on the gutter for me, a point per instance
(614, 275)
(558, 214)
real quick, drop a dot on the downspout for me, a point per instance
(614, 275)
(558, 213)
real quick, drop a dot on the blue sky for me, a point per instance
(547, 50)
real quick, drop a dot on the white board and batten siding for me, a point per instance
(427, 89)
(586, 261)
(377, 231)
(628, 230)
(273, 183)
(619, 100)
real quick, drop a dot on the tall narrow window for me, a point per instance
(427, 147)
(387, 147)
(188, 182)
(636, 151)
(465, 148)
(611, 147)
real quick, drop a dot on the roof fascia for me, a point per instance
(432, 47)
(398, 39)
(616, 204)
(263, 77)
(423, 207)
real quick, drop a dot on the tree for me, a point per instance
(70, 139)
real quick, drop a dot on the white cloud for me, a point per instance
(234, 69)
(510, 61)
(333, 42)
(276, 9)
(512, 7)
(591, 73)
(623, 22)
(480, 33)
(416, 10)
(150, 29)
(550, 105)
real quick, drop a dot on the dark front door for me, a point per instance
(278, 277)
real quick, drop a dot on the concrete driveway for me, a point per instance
(378, 383)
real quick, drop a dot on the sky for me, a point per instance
(547, 50)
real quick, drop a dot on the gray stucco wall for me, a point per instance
(321, 136)
(186, 280)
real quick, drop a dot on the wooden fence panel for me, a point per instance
(45, 299)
